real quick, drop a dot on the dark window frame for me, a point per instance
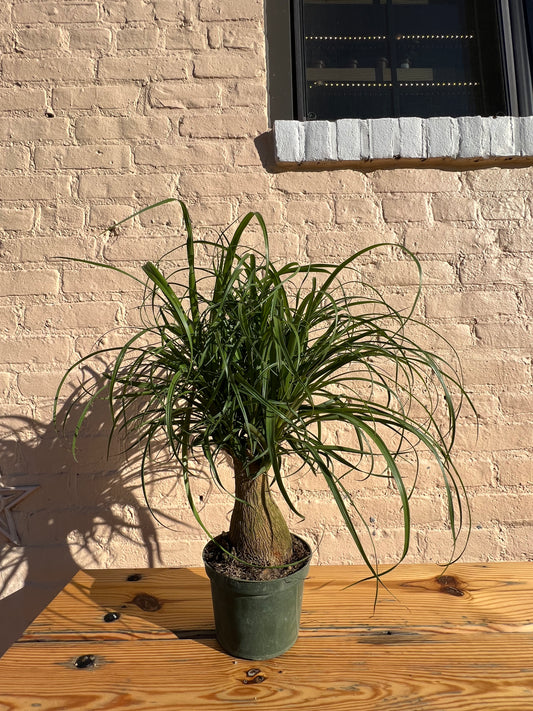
(286, 73)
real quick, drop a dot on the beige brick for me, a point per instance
(16, 219)
(14, 158)
(8, 320)
(333, 246)
(128, 11)
(459, 209)
(64, 216)
(155, 187)
(139, 249)
(93, 38)
(405, 209)
(82, 157)
(185, 38)
(405, 273)
(242, 37)
(39, 12)
(103, 216)
(471, 304)
(502, 507)
(503, 206)
(496, 270)
(47, 248)
(517, 402)
(63, 317)
(5, 383)
(215, 36)
(514, 468)
(138, 38)
(270, 210)
(459, 335)
(97, 281)
(210, 10)
(211, 213)
(39, 384)
(49, 69)
(444, 239)
(45, 37)
(144, 68)
(487, 407)
(205, 184)
(356, 211)
(121, 96)
(304, 211)
(29, 281)
(345, 182)
(33, 129)
(245, 92)
(227, 63)
(484, 545)
(137, 128)
(35, 350)
(182, 155)
(182, 95)
(244, 153)
(500, 179)
(489, 370)
(415, 181)
(336, 545)
(184, 12)
(169, 215)
(33, 187)
(519, 544)
(7, 42)
(23, 99)
(503, 335)
(514, 239)
(228, 125)
(475, 470)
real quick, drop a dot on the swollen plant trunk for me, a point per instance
(258, 532)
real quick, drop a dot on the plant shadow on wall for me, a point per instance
(84, 513)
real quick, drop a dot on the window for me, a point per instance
(366, 59)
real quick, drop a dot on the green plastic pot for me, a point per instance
(257, 619)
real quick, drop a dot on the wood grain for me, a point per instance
(468, 598)
(379, 672)
(459, 640)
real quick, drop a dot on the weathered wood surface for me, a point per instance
(458, 640)
(403, 672)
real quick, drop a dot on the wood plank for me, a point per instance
(469, 598)
(152, 603)
(379, 672)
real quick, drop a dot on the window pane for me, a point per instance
(372, 58)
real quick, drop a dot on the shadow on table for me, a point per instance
(152, 602)
(81, 509)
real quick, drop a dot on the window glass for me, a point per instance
(376, 58)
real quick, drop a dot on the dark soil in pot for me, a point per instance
(225, 565)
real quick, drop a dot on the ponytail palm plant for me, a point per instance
(252, 360)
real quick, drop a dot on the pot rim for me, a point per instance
(303, 569)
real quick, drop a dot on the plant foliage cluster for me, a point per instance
(243, 357)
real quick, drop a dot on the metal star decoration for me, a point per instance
(10, 496)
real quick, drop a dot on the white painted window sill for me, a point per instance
(357, 140)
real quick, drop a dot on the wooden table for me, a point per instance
(462, 641)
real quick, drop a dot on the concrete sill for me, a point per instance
(401, 140)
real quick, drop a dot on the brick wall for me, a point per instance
(108, 105)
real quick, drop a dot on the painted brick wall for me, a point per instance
(108, 105)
